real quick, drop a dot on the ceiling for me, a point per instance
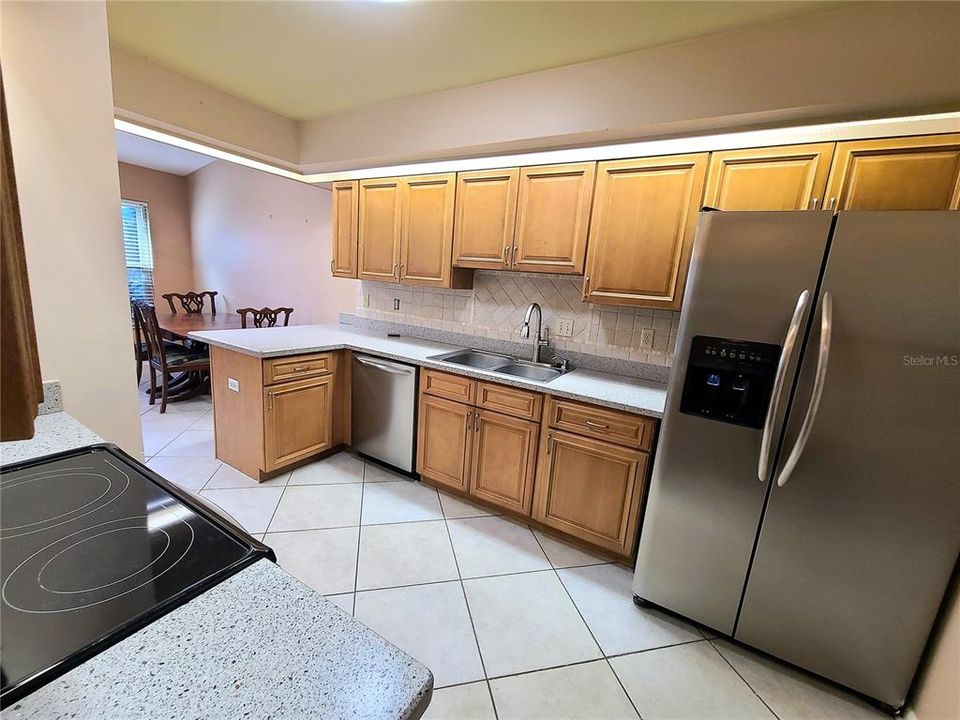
(310, 59)
(156, 155)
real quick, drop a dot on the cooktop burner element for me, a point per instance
(93, 546)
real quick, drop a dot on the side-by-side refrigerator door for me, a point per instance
(861, 532)
(750, 292)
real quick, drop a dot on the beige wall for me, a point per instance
(263, 240)
(56, 71)
(151, 94)
(878, 59)
(168, 204)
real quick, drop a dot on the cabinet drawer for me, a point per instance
(622, 428)
(445, 385)
(509, 400)
(296, 367)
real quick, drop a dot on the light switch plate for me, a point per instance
(396, 304)
(564, 328)
(646, 338)
(233, 384)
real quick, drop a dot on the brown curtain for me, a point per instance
(21, 389)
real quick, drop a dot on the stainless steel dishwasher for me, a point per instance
(384, 409)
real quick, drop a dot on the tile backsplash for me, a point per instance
(496, 305)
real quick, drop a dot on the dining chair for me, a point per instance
(192, 302)
(166, 358)
(270, 316)
(139, 345)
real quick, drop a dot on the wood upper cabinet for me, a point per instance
(444, 437)
(379, 229)
(553, 216)
(908, 173)
(792, 177)
(642, 228)
(590, 489)
(486, 210)
(346, 215)
(297, 420)
(426, 237)
(504, 460)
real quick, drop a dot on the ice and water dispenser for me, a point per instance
(729, 380)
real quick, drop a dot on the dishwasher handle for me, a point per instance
(384, 366)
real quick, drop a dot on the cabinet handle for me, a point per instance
(506, 255)
(814, 202)
(400, 271)
(469, 421)
(598, 426)
(300, 368)
(586, 288)
(331, 266)
(833, 204)
(270, 401)
(549, 442)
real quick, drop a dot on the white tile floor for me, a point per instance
(513, 623)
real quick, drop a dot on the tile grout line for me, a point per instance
(356, 568)
(466, 602)
(745, 682)
(596, 642)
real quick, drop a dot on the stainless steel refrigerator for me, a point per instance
(805, 497)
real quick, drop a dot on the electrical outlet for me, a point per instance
(646, 338)
(564, 328)
(366, 300)
(396, 304)
(233, 384)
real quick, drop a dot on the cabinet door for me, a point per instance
(297, 420)
(485, 215)
(910, 173)
(379, 229)
(426, 243)
(553, 215)
(346, 214)
(444, 436)
(792, 177)
(504, 458)
(590, 489)
(644, 219)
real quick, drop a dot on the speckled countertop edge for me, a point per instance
(260, 644)
(615, 391)
(54, 432)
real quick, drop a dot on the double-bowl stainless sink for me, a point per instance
(501, 364)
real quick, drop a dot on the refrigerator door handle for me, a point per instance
(786, 356)
(819, 380)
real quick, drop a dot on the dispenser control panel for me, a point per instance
(729, 380)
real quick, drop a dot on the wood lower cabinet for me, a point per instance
(553, 215)
(271, 414)
(641, 233)
(590, 489)
(504, 459)
(444, 438)
(297, 420)
(345, 203)
(792, 177)
(910, 173)
(486, 209)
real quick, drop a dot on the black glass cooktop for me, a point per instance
(93, 546)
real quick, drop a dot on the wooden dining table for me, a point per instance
(176, 326)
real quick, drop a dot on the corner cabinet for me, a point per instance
(272, 414)
(909, 173)
(553, 216)
(793, 177)
(345, 209)
(406, 231)
(641, 231)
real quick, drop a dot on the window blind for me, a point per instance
(137, 249)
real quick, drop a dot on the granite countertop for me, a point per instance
(259, 644)
(616, 391)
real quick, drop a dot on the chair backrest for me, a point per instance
(147, 319)
(264, 315)
(192, 302)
